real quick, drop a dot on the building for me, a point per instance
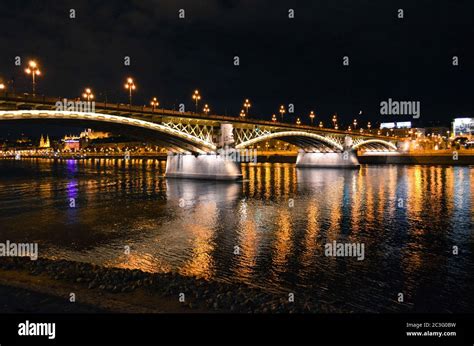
(463, 127)
(88, 134)
(44, 144)
(71, 143)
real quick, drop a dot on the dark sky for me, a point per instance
(282, 60)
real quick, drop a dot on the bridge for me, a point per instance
(199, 143)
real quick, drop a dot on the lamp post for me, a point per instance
(321, 124)
(88, 95)
(242, 114)
(247, 105)
(369, 125)
(334, 121)
(33, 70)
(2, 86)
(154, 103)
(355, 124)
(274, 118)
(206, 109)
(311, 117)
(282, 112)
(130, 85)
(298, 121)
(196, 98)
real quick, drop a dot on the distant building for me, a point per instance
(463, 127)
(71, 143)
(88, 134)
(44, 144)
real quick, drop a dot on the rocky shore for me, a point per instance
(189, 293)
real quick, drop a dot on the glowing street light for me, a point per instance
(2, 86)
(369, 125)
(154, 103)
(311, 117)
(196, 98)
(88, 95)
(349, 128)
(130, 85)
(206, 109)
(33, 70)
(247, 105)
(282, 112)
(334, 121)
(321, 124)
(274, 118)
(242, 113)
(298, 121)
(355, 124)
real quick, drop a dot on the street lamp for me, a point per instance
(274, 118)
(130, 85)
(321, 124)
(311, 117)
(247, 105)
(298, 121)
(334, 121)
(33, 70)
(282, 111)
(2, 86)
(349, 128)
(369, 125)
(154, 103)
(242, 113)
(206, 109)
(355, 124)
(88, 95)
(196, 98)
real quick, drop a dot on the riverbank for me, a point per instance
(48, 284)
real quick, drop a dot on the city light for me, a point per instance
(206, 109)
(242, 114)
(298, 121)
(88, 95)
(34, 71)
(282, 112)
(247, 106)
(130, 85)
(311, 117)
(196, 98)
(154, 103)
(274, 118)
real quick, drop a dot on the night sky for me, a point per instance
(282, 60)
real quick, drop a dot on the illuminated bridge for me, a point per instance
(196, 141)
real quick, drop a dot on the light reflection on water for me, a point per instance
(267, 231)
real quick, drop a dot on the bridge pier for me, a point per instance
(204, 166)
(346, 159)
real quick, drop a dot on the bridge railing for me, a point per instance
(147, 111)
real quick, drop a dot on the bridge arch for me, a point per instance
(175, 138)
(376, 143)
(301, 139)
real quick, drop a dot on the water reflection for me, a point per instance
(268, 230)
